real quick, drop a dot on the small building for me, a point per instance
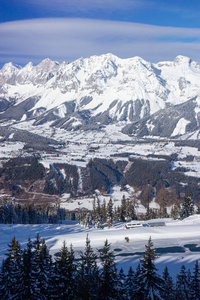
(133, 225)
(156, 224)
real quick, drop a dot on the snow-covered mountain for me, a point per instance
(99, 90)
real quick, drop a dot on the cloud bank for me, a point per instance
(69, 39)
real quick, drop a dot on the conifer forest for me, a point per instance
(32, 273)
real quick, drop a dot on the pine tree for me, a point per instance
(60, 284)
(121, 289)
(188, 207)
(12, 273)
(5, 281)
(12, 217)
(2, 279)
(123, 209)
(130, 284)
(110, 213)
(94, 209)
(31, 272)
(45, 267)
(168, 286)
(153, 214)
(130, 211)
(182, 286)
(62, 281)
(117, 214)
(195, 283)
(18, 211)
(88, 273)
(25, 216)
(104, 211)
(108, 273)
(151, 281)
(138, 284)
(87, 220)
(97, 214)
(176, 209)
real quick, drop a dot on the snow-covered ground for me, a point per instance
(110, 143)
(179, 234)
(116, 194)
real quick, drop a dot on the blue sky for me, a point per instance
(156, 30)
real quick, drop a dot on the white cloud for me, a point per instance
(69, 39)
(75, 6)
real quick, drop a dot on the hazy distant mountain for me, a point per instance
(150, 99)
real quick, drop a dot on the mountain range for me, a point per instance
(147, 99)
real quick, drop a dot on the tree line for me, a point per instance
(101, 213)
(32, 274)
(30, 214)
(108, 213)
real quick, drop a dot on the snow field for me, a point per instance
(174, 234)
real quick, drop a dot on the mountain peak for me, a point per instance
(11, 66)
(47, 63)
(180, 59)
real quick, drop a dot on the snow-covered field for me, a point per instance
(82, 146)
(116, 194)
(182, 234)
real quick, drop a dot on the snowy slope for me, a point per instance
(175, 234)
(106, 87)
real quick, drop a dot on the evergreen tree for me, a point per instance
(97, 214)
(121, 289)
(87, 222)
(88, 274)
(18, 211)
(188, 207)
(62, 281)
(5, 281)
(31, 272)
(130, 284)
(45, 267)
(117, 214)
(176, 209)
(151, 281)
(130, 211)
(2, 278)
(94, 209)
(189, 277)
(104, 211)
(123, 209)
(138, 284)
(12, 284)
(153, 214)
(11, 217)
(110, 213)
(182, 286)
(168, 286)
(108, 274)
(25, 216)
(195, 283)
